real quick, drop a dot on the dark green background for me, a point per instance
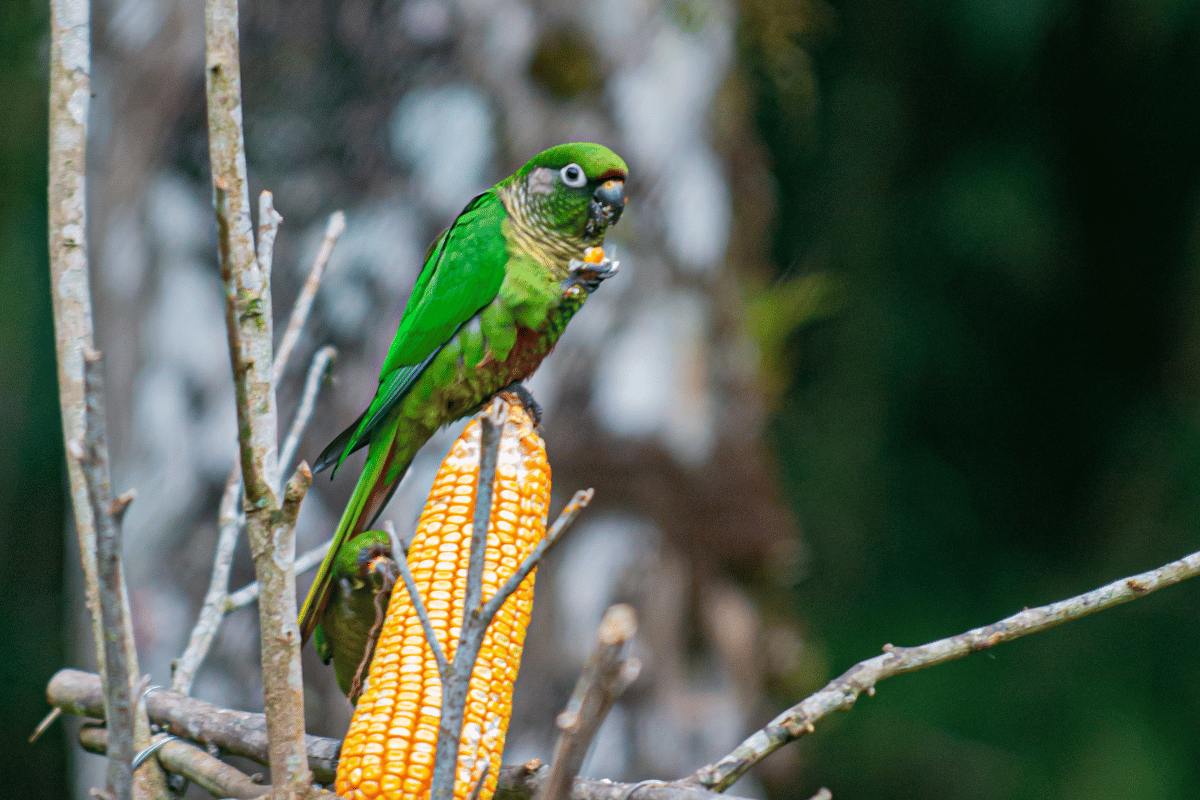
(31, 471)
(1002, 411)
(998, 409)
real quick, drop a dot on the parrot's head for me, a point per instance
(575, 190)
(366, 562)
(362, 564)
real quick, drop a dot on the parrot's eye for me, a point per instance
(572, 175)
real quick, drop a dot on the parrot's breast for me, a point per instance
(529, 238)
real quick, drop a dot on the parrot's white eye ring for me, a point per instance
(572, 175)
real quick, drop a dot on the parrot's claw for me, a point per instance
(589, 276)
(524, 398)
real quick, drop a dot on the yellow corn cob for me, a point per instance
(388, 752)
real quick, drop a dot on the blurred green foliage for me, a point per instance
(1003, 410)
(31, 481)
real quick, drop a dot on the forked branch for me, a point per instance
(604, 678)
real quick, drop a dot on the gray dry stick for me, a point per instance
(604, 678)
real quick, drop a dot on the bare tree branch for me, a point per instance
(308, 402)
(248, 324)
(525, 781)
(303, 304)
(70, 64)
(414, 595)
(212, 612)
(183, 758)
(245, 734)
(456, 684)
(70, 93)
(270, 527)
(239, 733)
(120, 654)
(217, 601)
(841, 693)
(567, 516)
(603, 680)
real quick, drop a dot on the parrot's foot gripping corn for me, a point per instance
(589, 273)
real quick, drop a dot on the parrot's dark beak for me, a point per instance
(612, 193)
(608, 202)
(386, 570)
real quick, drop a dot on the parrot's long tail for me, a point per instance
(371, 494)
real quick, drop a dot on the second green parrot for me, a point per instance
(364, 574)
(494, 294)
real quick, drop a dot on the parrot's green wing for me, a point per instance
(463, 271)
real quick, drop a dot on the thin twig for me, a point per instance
(841, 693)
(526, 781)
(46, 722)
(230, 519)
(470, 640)
(603, 680)
(249, 593)
(379, 600)
(308, 401)
(291, 335)
(213, 610)
(414, 595)
(567, 516)
(483, 776)
(120, 656)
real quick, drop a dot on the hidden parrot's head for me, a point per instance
(366, 562)
(575, 190)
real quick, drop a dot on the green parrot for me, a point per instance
(495, 292)
(364, 573)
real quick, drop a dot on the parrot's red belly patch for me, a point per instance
(526, 354)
